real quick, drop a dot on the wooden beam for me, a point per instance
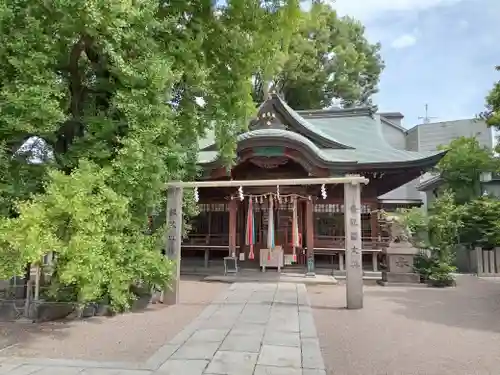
(355, 180)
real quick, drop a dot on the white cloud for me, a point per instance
(365, 10)
(404, 41)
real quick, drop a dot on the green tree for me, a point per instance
(112, 89)
(437, 235)
(481, 222)
(444, 224)
(329, 58)
(492, 112)
(462, 166)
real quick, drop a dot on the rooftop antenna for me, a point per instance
(426, 119)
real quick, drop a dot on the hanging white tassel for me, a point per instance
(196, 195)
(323, 191)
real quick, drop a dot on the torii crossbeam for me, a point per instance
(352, 216)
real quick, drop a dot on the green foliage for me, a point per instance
(85, 223)
(441, 274)
(433, 270)
(328, 58)
(436, 235)
(492, 112)
(423, 263)
(462, 166)
(444, 225)
(110, 88)
(481, 223)
(415, 221)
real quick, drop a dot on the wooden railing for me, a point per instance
(338, 242)
(207, 239)
(324, 242)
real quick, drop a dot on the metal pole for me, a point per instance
(173, 243)
(353, 252)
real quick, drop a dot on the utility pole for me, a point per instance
(426, 119)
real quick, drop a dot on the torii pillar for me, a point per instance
(353, 245)
(173, 243)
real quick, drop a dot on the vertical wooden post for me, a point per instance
(37, 283)
(208, 238)
(374, 223)
(497, 259)
(232, 227)
(479, 260)
(375, 261)
(352, 215)
(491, 261)
(310, 237)
(173, 243)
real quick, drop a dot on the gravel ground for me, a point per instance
(407, 331)
(128, 337)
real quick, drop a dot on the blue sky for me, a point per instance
(440, 52)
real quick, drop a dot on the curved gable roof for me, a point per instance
(350, 136)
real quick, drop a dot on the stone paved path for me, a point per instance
(252, 329)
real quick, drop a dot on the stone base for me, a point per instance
(405, 278)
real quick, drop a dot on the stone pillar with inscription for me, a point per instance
(353, 261)
(173, 243)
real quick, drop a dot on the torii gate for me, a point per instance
(352, 216)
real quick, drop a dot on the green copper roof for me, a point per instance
(365, 135)
(355, 136)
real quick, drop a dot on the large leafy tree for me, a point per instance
(492, 112)
(117, 93)
(462, 166)
(328, 59)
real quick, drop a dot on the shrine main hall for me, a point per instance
(257, 225)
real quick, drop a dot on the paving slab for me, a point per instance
(242, 343)
(250, 329)
(23, 370)
(280, 338)
(161, 355)
(232, 363)
(181, 366)
(281, 356)
(273, 370)
(308, 371)
(63, 370)
(196, 350)
(311, 354)
(209, 335)
(6, 367)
